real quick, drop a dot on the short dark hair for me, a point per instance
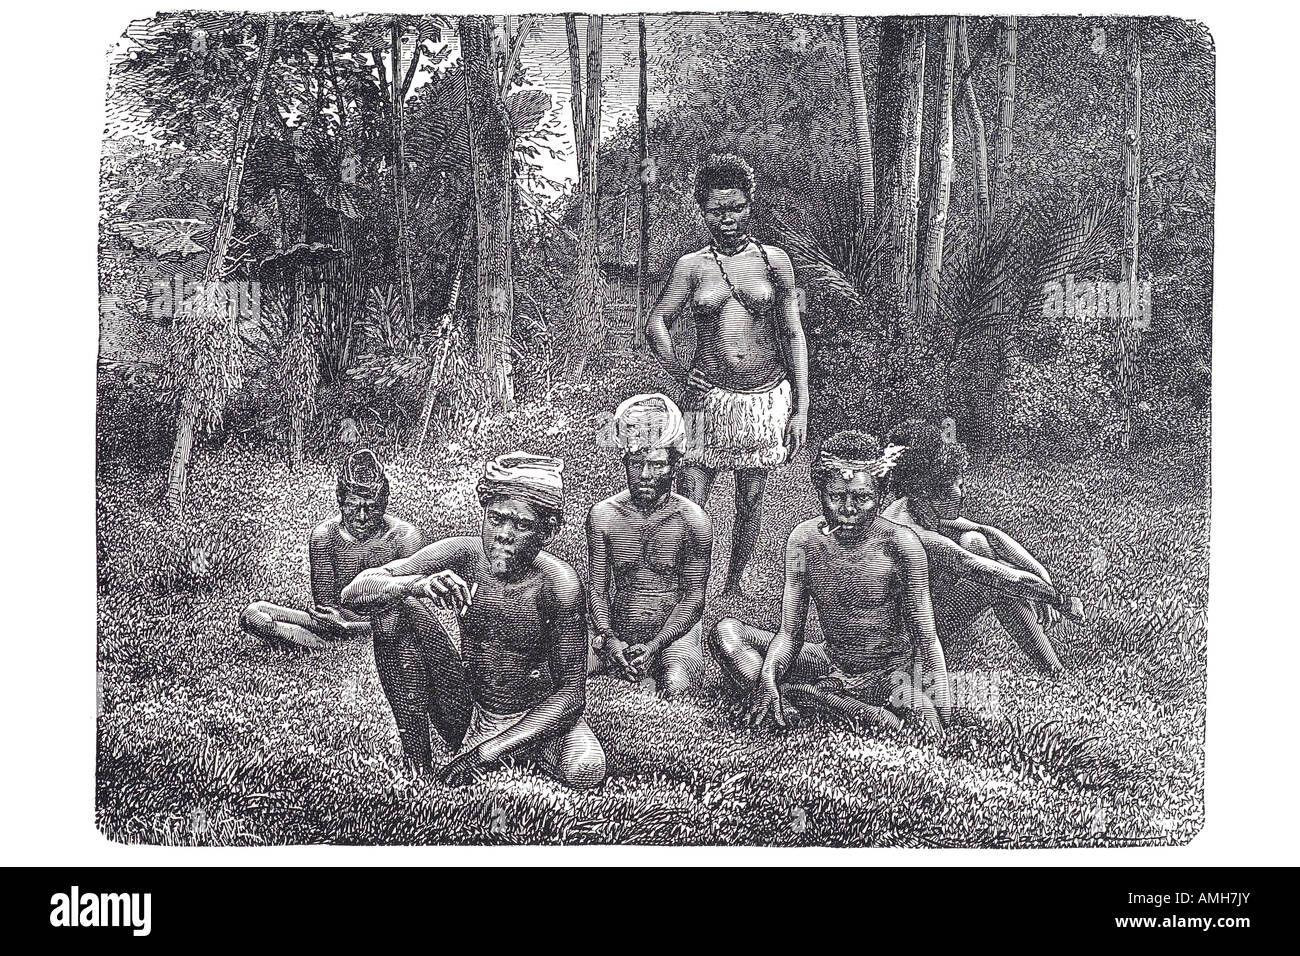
(723, 171)
(928, 461)
(848, 444)
(553, 518)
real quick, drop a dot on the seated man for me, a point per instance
(361, 537)
(870, 583)
(517, 687)
(651, 548)
(974, 568)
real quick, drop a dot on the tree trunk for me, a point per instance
(351, 293)
(644, 176)
(398, 115)
(449, 333)
(940, 183)
(975, 126)
(1128, 332)
(861, 120)
(179, 470)
(1002, 184)
(908, 195)
(587, 292)
(301, 368)
(490, 164)
(191, 403)
(900, 95)
(575, 90)
(989, 353)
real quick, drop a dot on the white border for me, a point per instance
(54, 81)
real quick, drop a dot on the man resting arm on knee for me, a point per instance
(974, 568)
(522, 622)
(869, 580)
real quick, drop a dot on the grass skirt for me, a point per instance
(728, 430)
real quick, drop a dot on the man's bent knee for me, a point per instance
(677, 680)
(727, 636)
(584, 767)
(976, 543)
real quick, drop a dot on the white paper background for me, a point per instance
(54, 80)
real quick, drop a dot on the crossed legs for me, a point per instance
(740, 650)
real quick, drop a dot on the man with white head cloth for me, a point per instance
(517, 686)
(648, 553)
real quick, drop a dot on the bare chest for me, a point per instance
(505, 620)
(647, 542)
(846, 580)
(742, 292)
(352, 557)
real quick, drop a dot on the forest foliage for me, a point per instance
(326, 338)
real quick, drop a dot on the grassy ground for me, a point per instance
(208, 737)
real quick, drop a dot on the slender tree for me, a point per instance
(985, 356)
(395, 92)
(587, 287)
(1002, 183)
(861, 120)
(508, 115)
(900, 97)
(348, 163)
(300, 362)
(491, 155)
(908, 197)
(941, 179)
(206, 348)
(975, 127)
(576, 98)
(645, 175)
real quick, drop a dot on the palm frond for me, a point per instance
(1073, 244)
(1007, 273)
(436, 131)
(986, 283)
(814, 262)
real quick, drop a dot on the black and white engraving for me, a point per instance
(687, 429)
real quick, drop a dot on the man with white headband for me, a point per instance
(648, 552)
(517, 687)
(361, 536)
(869, 580)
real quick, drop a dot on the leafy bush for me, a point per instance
(1061, 401)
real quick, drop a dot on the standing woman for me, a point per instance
(746, 390)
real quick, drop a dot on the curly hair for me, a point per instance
(723, 171)
(852, 445)
(928, 462)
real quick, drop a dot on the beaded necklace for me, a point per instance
(713, 248)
